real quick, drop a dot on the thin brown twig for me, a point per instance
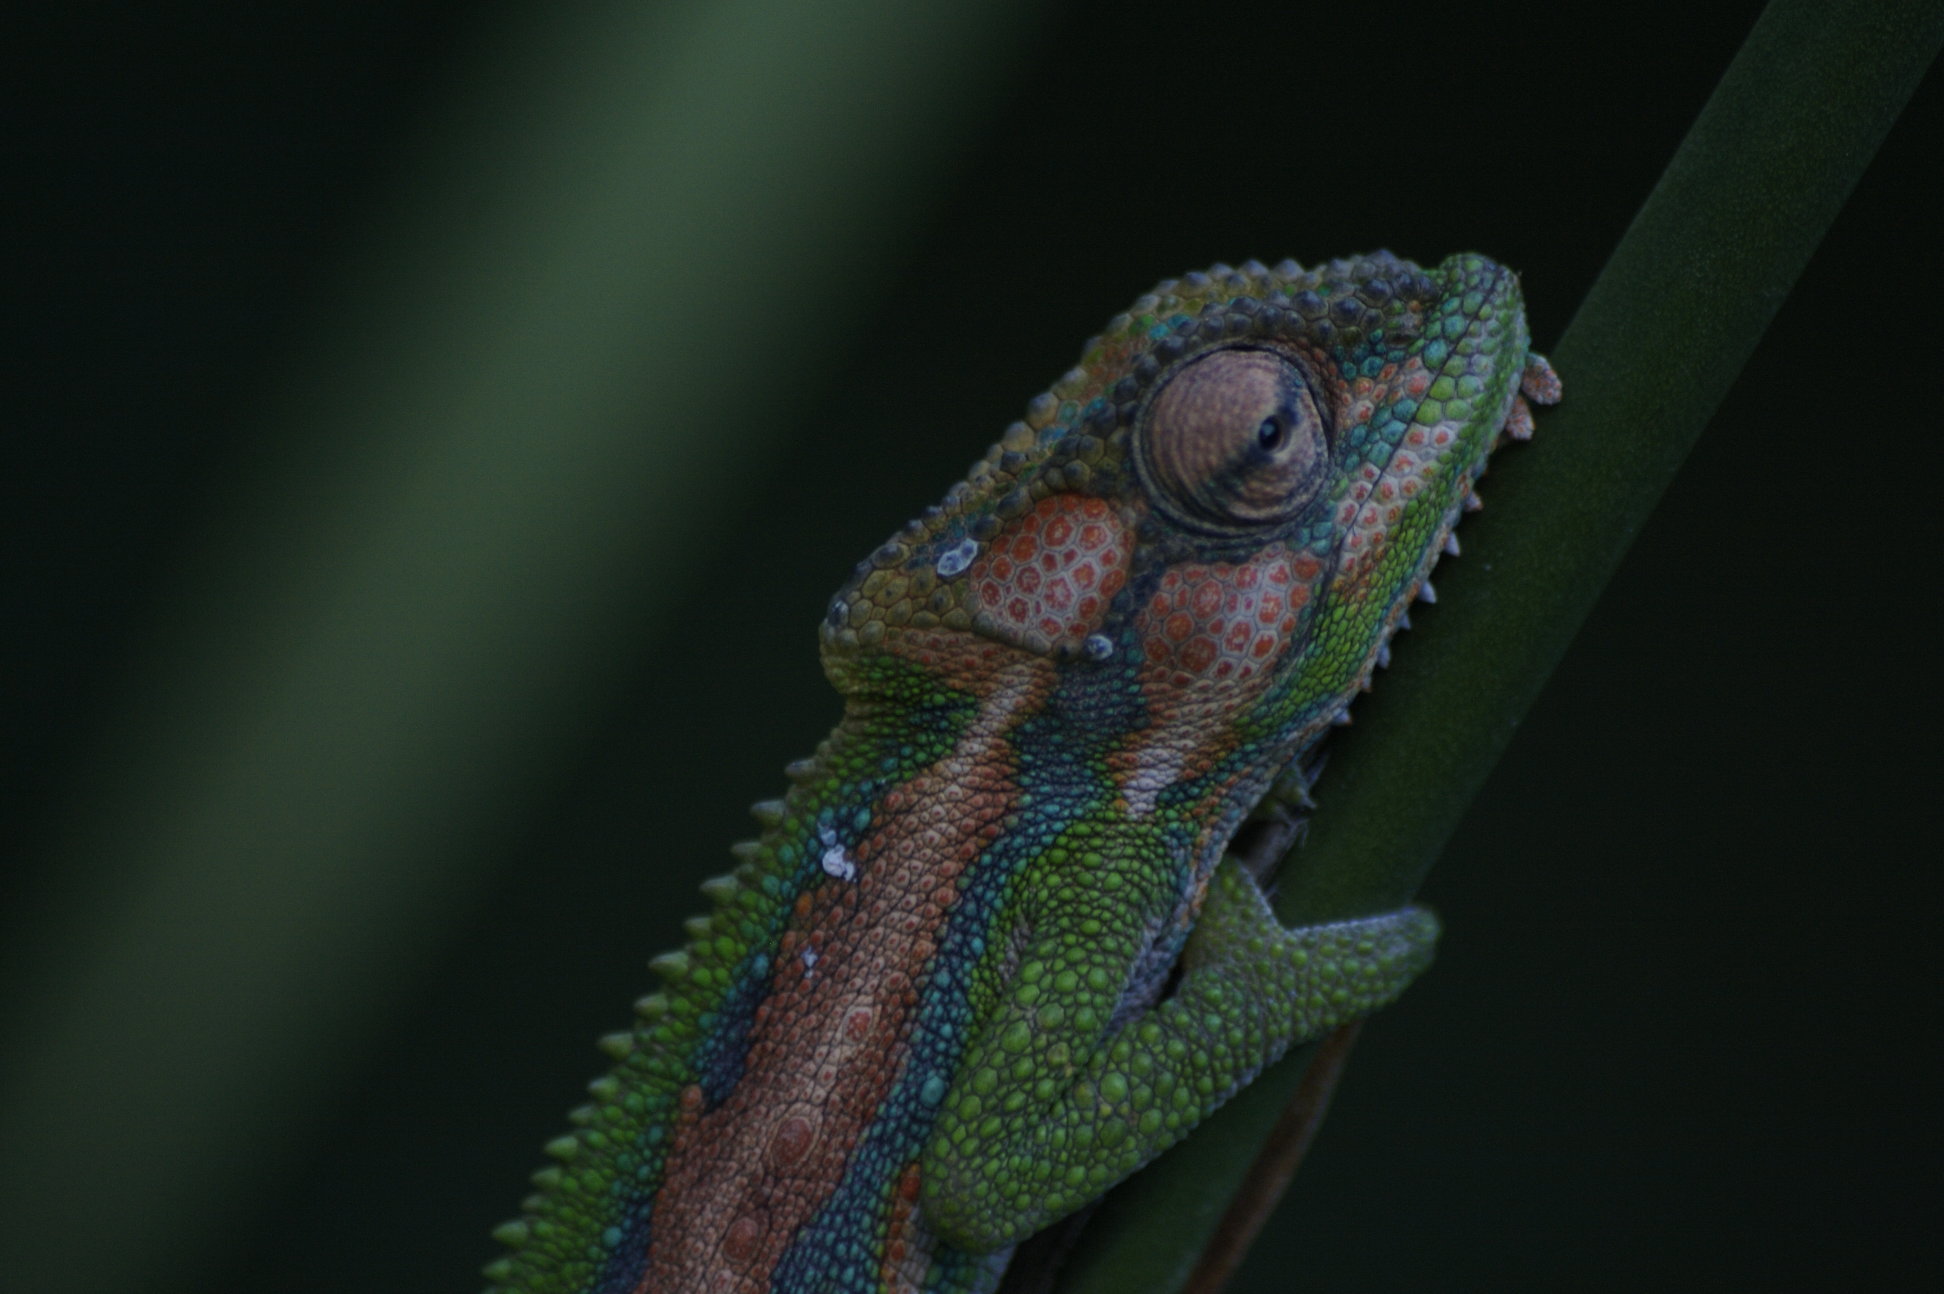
(1268, 1177)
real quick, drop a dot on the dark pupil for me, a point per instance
(1271, 434)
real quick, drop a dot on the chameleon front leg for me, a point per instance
(1048, 1111)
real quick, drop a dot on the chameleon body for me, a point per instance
(988, 956)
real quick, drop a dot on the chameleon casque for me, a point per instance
(988, 956)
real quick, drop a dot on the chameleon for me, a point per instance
(991, 953)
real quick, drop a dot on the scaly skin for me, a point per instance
(927, 1015)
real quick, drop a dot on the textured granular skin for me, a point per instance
(986, 958)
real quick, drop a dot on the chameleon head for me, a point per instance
(1223, 511)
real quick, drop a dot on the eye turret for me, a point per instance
(1233, 441)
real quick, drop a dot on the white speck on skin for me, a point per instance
(836, 862)
(1156, 768)
(809, 961)
(955, 560)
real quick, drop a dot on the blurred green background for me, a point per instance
(439, 425)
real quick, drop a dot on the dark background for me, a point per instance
(1676, 1031)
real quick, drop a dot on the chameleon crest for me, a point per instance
(987, 958)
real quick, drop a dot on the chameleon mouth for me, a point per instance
(1538, 384)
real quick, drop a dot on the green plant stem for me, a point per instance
(1652, 351)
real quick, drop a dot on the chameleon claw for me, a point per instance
(1518, 423)
(1539, 383)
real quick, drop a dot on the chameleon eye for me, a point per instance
(1231, 441)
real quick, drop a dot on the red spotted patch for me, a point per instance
(1223, 622)
(1047, 579)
